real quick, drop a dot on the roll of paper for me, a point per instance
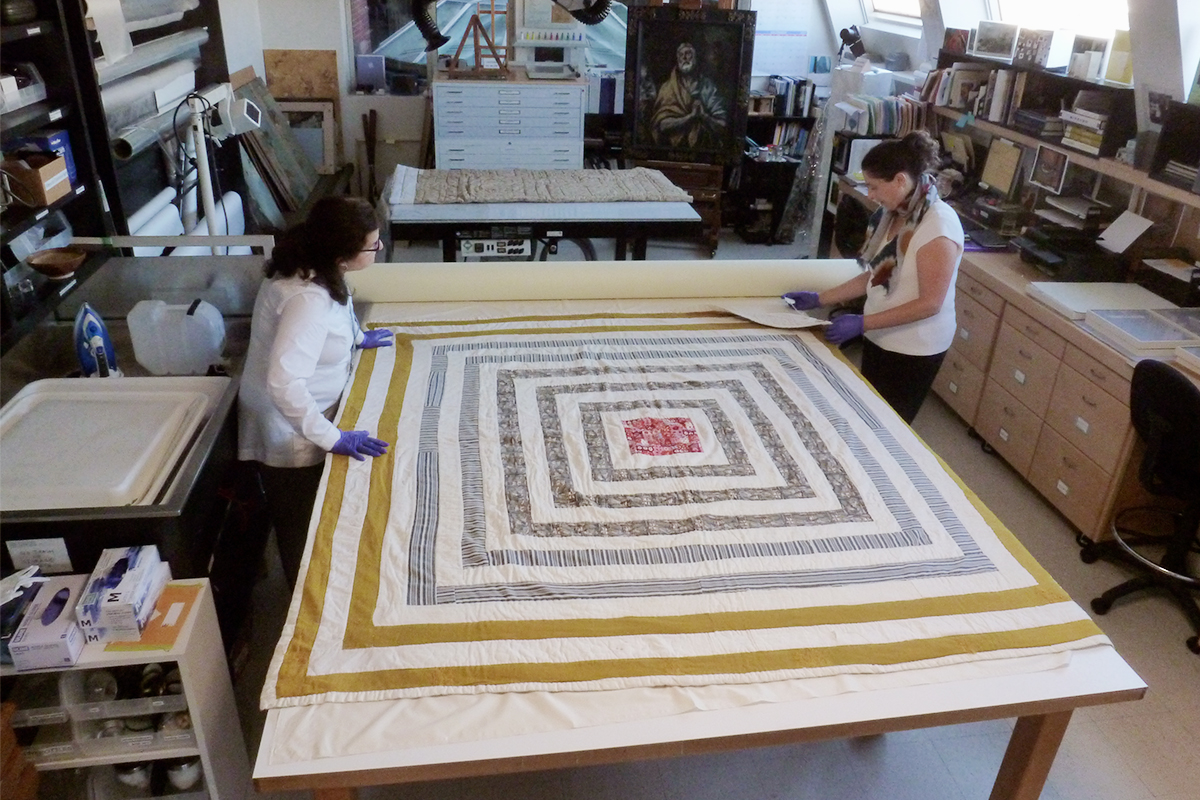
(165, 222)
(144, 214)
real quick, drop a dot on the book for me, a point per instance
(1120, 59)
(1083, 146)
(1083, 134)
(1017, 96)
(964, 84)
(1084, 120)
(1001, 96)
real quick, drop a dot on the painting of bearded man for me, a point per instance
(687, 83)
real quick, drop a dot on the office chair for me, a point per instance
(1165, 409)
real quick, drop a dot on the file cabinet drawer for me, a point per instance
(1035, 331)
(1069, 480)
(1023, 369)
(980, 293)
(1089, 418)
(977, 328)
(1100, 375)
(960, 384)
(1008, 426)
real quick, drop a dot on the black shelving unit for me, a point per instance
(44, 43)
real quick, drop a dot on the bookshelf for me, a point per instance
(1110, 167)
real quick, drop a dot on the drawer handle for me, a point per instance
(1009, 412)
(1087, 402)
(974, 290)
(1023, 354)
(1068, 463)
(966, 312)
(1100, 376)
(1032, 331)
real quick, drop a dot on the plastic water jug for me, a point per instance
(176, 339)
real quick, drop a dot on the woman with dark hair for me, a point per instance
(302, 336)
(913, 247)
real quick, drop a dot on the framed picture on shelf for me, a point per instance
(687, 82)
(1049, 169)
(956, 39)
(996, 40)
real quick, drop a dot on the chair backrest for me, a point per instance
(1165, 409)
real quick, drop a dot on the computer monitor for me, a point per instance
(999, 174)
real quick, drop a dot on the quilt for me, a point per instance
(438, 186)
(599, 501)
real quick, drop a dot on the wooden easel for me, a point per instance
(476, 30)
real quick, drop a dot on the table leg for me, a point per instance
(449, 249)
(1031, 751)
(639, 248)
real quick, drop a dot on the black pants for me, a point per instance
(903, 381)
(290, 494)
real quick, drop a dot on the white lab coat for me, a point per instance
(297, 367)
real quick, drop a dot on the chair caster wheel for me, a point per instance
(1088, 555)
(987, 448)
(1194, 644)
(1101, 606)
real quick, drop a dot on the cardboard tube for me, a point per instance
(147, 212)
(595, 280)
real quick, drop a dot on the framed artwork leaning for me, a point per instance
(687, 83)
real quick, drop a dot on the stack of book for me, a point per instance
(793, 96)
(1083, 129)
(1179, 173)
(1083, 125)
(1038, 124)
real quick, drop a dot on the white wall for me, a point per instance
(241, 29)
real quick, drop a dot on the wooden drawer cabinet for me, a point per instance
(977, 327)
(1008, 426)
(1024, 369)
(980, 293)
(1069, 480)
(1089, 418)
(960, 384)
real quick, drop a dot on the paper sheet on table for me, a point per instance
(1122, 232)
(770, 311)
(1175, 267)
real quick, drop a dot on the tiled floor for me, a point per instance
(1133, 751)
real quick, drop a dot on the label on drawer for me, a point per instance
(1019, 376)
(1082, 424)
(1063, 489)
(1004, 434)
(953, 387)
(964, 334)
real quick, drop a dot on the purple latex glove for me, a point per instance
(356, 444)
(844, 328)
(377, 337)
(803, 301)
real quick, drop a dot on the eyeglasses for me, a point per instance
(375, 248)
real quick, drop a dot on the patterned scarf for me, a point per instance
(882, 255)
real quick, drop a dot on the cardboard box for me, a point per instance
(12, 612)
(121, 593)
(49, 636)
(53, 141)
(39, 179)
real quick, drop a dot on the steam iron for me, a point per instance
(93, 345)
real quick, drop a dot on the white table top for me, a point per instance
(1092, 677)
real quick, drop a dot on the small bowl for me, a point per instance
(58, 262)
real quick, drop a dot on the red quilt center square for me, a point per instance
(661, 436)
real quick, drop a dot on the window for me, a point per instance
(1088, 17)
(903, 8)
